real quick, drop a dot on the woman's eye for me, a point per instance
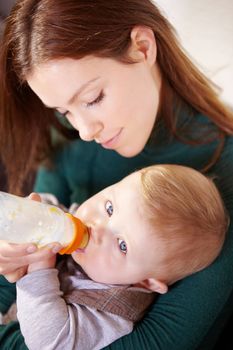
(96, 100)
(109, 208)
(122, 246)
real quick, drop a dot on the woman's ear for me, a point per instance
(153, 285)
(143, 45)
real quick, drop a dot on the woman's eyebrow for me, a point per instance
(80, 89)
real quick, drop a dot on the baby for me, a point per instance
(153, 228)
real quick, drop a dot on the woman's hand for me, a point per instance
(15, 258)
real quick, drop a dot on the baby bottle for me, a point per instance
(23, 220)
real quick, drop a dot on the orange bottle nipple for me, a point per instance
(80, 238)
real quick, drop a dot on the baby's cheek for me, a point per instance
(76, 257)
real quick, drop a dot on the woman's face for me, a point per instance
(112, 103)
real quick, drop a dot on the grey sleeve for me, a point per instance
(48, 323)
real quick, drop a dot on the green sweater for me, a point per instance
(194, 311)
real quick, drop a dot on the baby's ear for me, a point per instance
(154, 285)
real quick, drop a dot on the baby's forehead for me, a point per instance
(133, 179)
(132, 184)
(128, 194)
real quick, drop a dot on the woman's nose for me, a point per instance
(88, 131)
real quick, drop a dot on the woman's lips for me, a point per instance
(110, 143)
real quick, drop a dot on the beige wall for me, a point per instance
(205, 28)
(206, 31)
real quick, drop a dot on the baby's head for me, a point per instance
(154, 227)
(189, 218)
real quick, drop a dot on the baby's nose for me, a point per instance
(97, 235)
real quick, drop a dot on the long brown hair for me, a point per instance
(41, 30)
(188, 217)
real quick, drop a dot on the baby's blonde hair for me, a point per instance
(188, 216)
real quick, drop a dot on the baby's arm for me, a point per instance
(47, 322)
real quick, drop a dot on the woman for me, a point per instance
(114, 69)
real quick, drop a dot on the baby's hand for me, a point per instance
(43, 264)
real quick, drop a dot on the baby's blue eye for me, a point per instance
(122, 246)
(109, 208)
